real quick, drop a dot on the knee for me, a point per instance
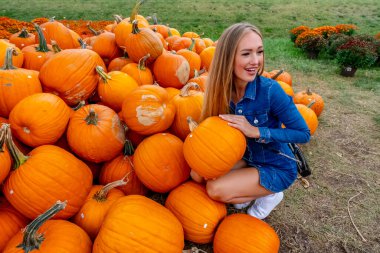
(215, 191)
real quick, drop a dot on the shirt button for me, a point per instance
(240, 111)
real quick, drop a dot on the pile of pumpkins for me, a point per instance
(90, 125)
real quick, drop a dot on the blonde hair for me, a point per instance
(220, 84)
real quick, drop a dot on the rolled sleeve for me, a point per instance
(265, 135)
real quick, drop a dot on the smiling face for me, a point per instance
(249, 58)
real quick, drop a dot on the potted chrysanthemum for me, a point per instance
(311, 42)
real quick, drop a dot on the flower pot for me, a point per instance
(348, 71)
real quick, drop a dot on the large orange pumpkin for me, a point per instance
(5, 159)
(197, 212)
(138, 224)
(306, 97)
(71, 74)
(245, 234)
(206, 57)
(159, 162)
(309, 116)
(213, 147)
(95, 133)
(281, 75)
(58, 32)
(147, 110)
(48, 123)
(48, 173)
(45, 236)
(22, 38)
(192, 57)
(139, 71)
(105, 45)
(17, 57)
(15, 84)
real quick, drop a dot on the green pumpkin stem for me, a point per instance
(192, 44)
(42, 46)
(311, 104)
(92, 29)
(24, 33)
(79, 105)
(92, 118)
(192, 123)
(32, 240)
(154, 17)
(101, 195)
(2, 137)
(142, 62)
(193, 250)
(102, 74)
(56, 48)
(83, 45)
(135, 28)
(308, 91)
(18, 157)
(118, 18)
(277, 74)
(135, 10)
(8, 62)
(128, 149)
(185, 91)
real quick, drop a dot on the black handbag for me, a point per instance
(302, 165)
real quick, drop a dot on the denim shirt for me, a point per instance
(267, 106)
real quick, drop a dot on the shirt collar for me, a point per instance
(250, 91)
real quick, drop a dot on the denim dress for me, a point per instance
(267, 106)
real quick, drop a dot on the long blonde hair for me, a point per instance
(220, 84)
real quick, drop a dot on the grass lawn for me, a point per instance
(344, 153)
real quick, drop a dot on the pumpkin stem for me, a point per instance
(154, 17)
(83, 45)
(277, 74)
(42, 46)
(308, 91)
(192, 123)
(79, 105)
(193, 250)
(24, 33)
(103, 74)
(101, 195)
(8, 62)
(92, 29)
(92, 118)
(118, 18)
(135, 10)
(135, 28)
(311, 103)
(18, 157)
(169, 32)
(56, 48)
(185, 91)
(142, 61)
(31, 239)
(192, 44)
(2, 137)
(128, 148)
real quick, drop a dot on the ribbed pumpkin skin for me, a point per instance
(284, 76)
(16, 84)
(118, 168)
(39, 119)
(159, 162)
(138, 224)
(305, 97)
(147, 110)
(309, 116)
(206, 57)
(54, 30)
(97, 142)
(241, 233)
(213, 147)
(5, 162)
(91, 215)
(11, 221)
(71, 74)
(60, 236)
(49, 174)
(197, 212)
(16, 59)
(34, 59)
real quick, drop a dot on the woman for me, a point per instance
(257, 106)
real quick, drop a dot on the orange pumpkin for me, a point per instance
(212, 139)
(15, 84)
(281, 75)
(181, 43)
(147, 110)
(243, 233)
(309, 116)
(11, 221)
(95, 133)
(118, 63)
(166, 168)
(201, 80)
(188, 102)
(48, 173)
(139, 71)
(5, 159)
(287, 88)
(306, 97)
(192, 58)
(138, 224)
(105, 45)
(46, 236)
(17, 56)
(171, 70)
(197, 212)
(91, 215)
(22, 38)
(71, 74)
(49, 121)
(114, 86)
(206, 57)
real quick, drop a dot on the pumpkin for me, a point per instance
(174, 32)
(17, 55)
(46, 236)
(208, 42)
(188, 102)
(22, 38)
(171, 70)
(147, 110)
(71, 74)
(192, 58)
(197, 212)
(287, 88)
(122, 167)
(281, 75)
(245, 234)
(201, 80)
(181, 43)
(91, 215)
(48, 173)
(159, 162)
(118, 63)
(136, 223)
(309, 116)
(162, 29)
(172, 92)
(95, 133)
(206, 57)
(35, 55)
(306, 97)
(114, 86)
(142, 42)
(15, 84)
(105, 45)
(171, 40)
(5, 159)
(11, 221)
(213, 147)
(139, 71)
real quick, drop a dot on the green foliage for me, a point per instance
(356, 53)
(335, 41)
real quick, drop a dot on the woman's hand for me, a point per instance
(240, 122)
